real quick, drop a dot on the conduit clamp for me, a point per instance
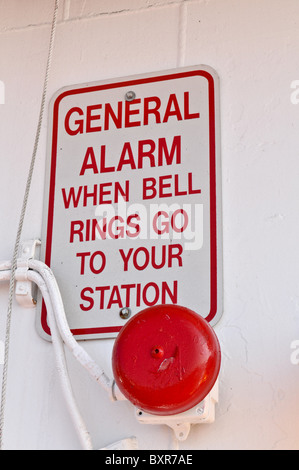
(25, 290)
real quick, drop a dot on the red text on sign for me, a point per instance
(114, 228)
(148, 153)
(142, 257)
(128, 294)
(125, 114)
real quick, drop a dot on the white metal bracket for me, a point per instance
(24, 289)
(203, 413)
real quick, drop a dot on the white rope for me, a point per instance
(20, 226)
(182, 34)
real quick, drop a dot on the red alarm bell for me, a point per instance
(166, 359)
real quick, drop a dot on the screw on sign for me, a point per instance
(125, 313)
(130, 96)
(166, 359)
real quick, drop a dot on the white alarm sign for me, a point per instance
(132, 214)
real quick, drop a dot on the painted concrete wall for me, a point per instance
(253, 45)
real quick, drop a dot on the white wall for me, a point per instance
(253, 45)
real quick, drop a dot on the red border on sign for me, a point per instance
(213, 212)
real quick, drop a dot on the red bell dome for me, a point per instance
(166, 359)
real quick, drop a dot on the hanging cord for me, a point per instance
(182, 34)
(21, 222)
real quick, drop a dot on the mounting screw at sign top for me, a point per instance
(130, 96)
(125, 313)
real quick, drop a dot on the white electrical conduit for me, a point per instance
(5, 275)
(43, 277)
(61, 365)
(60, 358)
(79, 353)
